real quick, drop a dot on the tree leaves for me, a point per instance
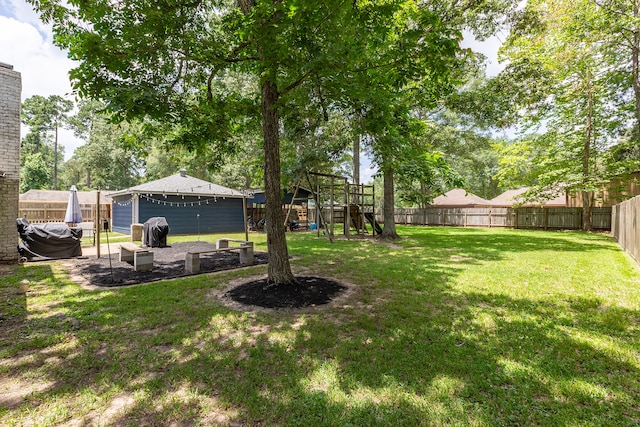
(568, 83)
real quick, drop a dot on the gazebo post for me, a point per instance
(244, 211)
(97, 224)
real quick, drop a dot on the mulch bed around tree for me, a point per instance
(307, 292)
(168, 263)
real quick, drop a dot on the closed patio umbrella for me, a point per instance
(74, 214)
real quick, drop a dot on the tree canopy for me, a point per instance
(44, 116)
(164, 61)
(573, 92)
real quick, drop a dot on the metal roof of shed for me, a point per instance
(180, 184)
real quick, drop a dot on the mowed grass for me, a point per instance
(449, 326)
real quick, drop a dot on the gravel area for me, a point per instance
(167, 263)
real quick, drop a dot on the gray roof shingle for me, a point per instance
(180, 184)
(514, 197)
(459, 197)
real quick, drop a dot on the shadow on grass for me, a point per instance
(413, 352)
(168, 263)
(13, 300)
(442, 242)
(492, 241)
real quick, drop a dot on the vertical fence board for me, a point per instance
(537, 218)
(601, 218)
(625, 227)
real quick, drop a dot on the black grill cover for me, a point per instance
(52, 240)
(154, 232)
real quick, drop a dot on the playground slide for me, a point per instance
(369, 216)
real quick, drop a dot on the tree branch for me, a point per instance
(246, 5)
(617, 12)
(296, 83)
(177, 79)
(234, 55)
(209, 91)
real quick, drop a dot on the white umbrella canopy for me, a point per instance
(73, 214)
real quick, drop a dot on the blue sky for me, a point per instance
(26, 43)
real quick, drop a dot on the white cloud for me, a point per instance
(25, 43)
(367, 169)
(44, 67)
(488, 48)
(23, 12)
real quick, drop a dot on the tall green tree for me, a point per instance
(424, 176)
(163, 60)
(34, 173)
(572, 93)
(315, 138)
(467, 147)
(107, 160)
(618, 21)
(432, 72)
(45, 116)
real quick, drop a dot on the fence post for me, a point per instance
(580, 219)
(97, 224)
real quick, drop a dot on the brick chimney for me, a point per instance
(10, 92)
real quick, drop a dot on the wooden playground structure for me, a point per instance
(335, 201)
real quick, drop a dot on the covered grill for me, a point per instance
(51, 240)
(154, 232)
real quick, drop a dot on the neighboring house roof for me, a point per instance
(180, 184)
(514, 197)
(508, 198)
(62, 196)
(459, 197)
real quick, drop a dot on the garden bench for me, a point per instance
(192, 259)
(142, 258)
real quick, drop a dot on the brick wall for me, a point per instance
(10, 92)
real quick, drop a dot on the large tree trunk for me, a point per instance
(389, 230)
(279, 267)
(55, 160)
(635, 60)
(356, 161)
(587, 224)
(423, 203)
(586, 157)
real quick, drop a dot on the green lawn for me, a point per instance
(448, 326)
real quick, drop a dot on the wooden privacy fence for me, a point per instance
(542, 218)
(625, 227)
(40, 212)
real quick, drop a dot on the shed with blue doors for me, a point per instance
(190, 205)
